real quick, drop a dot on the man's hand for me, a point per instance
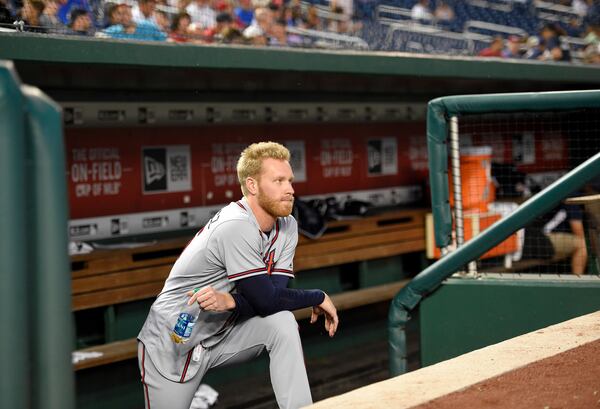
(331, 319)
(210, 299)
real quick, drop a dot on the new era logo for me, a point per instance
(166, 169)
(153, 170)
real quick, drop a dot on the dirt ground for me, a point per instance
(569, 380)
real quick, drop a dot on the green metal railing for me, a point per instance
(441, 109)
(35, 295)
(439, 112)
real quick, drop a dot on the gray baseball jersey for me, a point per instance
(230, 247)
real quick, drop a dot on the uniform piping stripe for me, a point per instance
(248, 275)
(144, 376)
(276, 233)
(283, 270)
(243, 273)
(266, 258)
(241, 205)
(185, 368)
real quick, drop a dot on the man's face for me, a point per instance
(82, 23)
(126, 16)
(275, 193)
(147, 8)
(51, 8)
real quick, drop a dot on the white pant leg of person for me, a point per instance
(278, 334)
(162, 393)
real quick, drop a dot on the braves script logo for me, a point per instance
(269, 260)
(154, 170)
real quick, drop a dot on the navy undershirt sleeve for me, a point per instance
(243, 307)
(265, 295)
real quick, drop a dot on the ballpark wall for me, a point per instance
(465, 314)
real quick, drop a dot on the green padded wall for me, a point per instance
(468, 314)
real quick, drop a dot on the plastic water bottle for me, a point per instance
(185, 323)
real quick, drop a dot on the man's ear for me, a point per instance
(251, 185)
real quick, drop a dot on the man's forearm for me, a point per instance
(264, 298)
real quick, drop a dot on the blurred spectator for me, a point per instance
(340, 24)
(495, 48)
(224, 22)
(574, 27)
(513, 47)
(313, 21)
(127, 29)
(293, 16)
(182, 4)
(566, 233)
(592, 40)
(443, 12)
(49, 20)
(162, 21)
(244, 13)
(113, 14)
(223, 6)
(5, 16)
(31, 13)
(179, 28)
(592, 54)
(346, 6)
(260, 3)
(535, 48)
(421, 11)
(557, 235)
(277, 34)
(257, 32)
(144, 11)
(232, 36)
(592, 36)
(580, 7)
(202, 14)
(556, 48)
(80, 23)
(64, 11)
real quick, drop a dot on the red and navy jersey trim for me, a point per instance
(268, 252)
(282, 271)
(240, 205)
(248, 272)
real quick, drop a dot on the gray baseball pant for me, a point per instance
(277, 333)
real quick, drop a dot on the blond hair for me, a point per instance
(251, 159)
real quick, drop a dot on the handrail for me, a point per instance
(330, 38)
(437, 132)
(546, 5)
(430, 278)
(439, 110)
(506, 7)
(415, 28)
(499, 28)
(396, 11)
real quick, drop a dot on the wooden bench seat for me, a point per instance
(109, 277)
(127, 349)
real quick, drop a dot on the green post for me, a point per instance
(14, 252)
(53, 381)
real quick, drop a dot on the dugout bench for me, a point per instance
(117, 281)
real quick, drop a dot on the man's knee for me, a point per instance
(282, 324)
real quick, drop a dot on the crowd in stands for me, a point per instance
(550, 44)
(257, 22)
(285, 22)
